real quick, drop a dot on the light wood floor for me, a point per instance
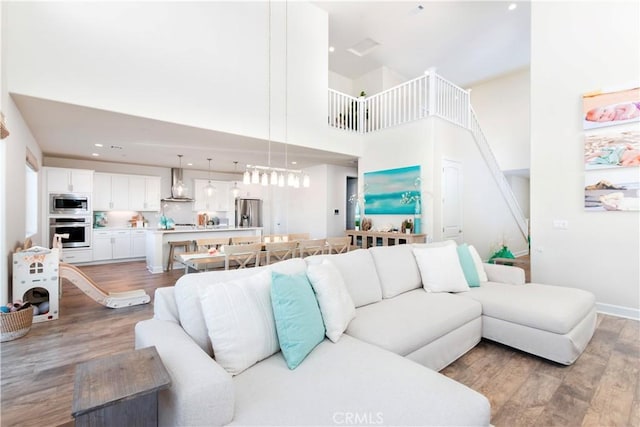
(601, 389)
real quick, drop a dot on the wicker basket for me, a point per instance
(16, 324)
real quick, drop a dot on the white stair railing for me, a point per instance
(401, 104)
(343, 111)
(417, 99)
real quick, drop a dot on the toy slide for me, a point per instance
(108, 299)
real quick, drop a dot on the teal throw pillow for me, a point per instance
(468, 266)
(298, 319)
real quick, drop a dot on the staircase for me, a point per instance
(422, 97)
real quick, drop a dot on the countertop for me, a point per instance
(201, 230)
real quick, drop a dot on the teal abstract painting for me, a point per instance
(384, 190)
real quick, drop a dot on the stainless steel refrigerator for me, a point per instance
(248, 213)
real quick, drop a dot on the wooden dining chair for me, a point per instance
(311, 247)
(338, 245)
(279, 251)
(202, 245)
(275, 238)
(298, 236)
(242, 256)
(246, 240)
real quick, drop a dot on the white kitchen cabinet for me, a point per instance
(138, 243)
(111, 244)
(218, 201)
(118, 192)
(62, 180)
(76, 256)
(101, 245)
(144, 193)
(110, 192)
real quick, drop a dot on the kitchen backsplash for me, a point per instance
(180, 212)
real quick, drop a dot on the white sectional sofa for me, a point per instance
(383, 370)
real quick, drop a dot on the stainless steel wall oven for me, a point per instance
(78, 228)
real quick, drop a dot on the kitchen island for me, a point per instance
(157, 241)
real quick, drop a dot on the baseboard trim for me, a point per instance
(618, 311)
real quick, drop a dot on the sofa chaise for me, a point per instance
(383, 369)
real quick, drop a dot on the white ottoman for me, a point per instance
(549, 321)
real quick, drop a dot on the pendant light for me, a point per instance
(178, 190)
(235, 191)
(209, 189)
(246, 177)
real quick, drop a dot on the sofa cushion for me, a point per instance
(468, 265)
(554, 309)
(187, 295)
(397, 269)
(335, 303)
(298, 319)
(339, 382)
(240, 321)
(482, 275)
(412, 320)
(440, 269)
(359, 273)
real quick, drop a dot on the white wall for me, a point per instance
(12, 185)
(341, 83)
(376, 81)
(4, 261)
(487, 221)
(371, 83)
(521, 187)
(402, 146)
(486, 218)
(337, 198)
(391, 78)
(577, 47)
(201, 64)
(307, 207)
(502, 108)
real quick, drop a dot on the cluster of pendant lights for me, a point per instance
(275, 176)
(267, 175)
(210, 189)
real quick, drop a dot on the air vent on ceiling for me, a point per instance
(363, 47)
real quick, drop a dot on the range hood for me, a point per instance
(176, 176)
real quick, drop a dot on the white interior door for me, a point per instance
(452, 201)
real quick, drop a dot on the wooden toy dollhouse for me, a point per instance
(36, 279)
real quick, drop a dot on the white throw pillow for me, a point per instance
(240, 321)
(440, 269)
(482, 275)
(335, 303)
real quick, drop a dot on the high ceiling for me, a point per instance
(466, 41)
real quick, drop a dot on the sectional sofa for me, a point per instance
(382, 370)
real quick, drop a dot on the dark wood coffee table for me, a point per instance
(119, 390)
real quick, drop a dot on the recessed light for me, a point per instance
(332, 49)
(95, 154)
(294, 163)
(512, 6)
(189, 164)
(98, 145)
